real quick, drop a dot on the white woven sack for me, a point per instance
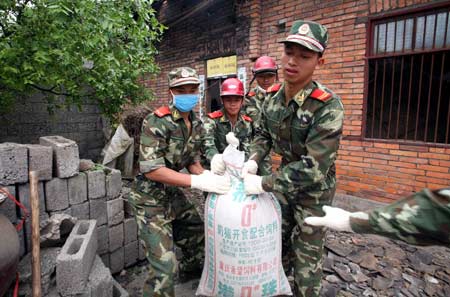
(242, 241)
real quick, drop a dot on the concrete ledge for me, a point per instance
(353, 203)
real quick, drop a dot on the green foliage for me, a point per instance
(77, 51)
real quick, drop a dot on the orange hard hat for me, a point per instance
(232, 86)
(264, 64)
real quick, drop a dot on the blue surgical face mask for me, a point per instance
(185, 102)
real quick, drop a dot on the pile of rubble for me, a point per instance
(369, 265)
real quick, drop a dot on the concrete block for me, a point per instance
(40, 159)
(23, 193)
(67, 211)
(103, 239)
(8, 207)
(142, 255)
(96, 184)
(131, 253)
(43, 216)
(77, 187)
(74, 262)
(81, 211)
(115, 237)
(23, 244)
(100, 279)
(66, 158)
(113, 184)
(97, 210)
(115, 211)
(116, 261)
(13, 163)
(118, 291)
(56, 194)
(129, 230)
(127, 208)
(105, 259)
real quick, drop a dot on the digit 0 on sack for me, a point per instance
(242, 241)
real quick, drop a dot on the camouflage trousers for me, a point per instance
(165, 217)
(303, 245)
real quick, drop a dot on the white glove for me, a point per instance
(335, 218)
(250, 167)
(253, 184)
(232, 139)
(217, 164)
(210, 182)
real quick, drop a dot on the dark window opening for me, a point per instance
(408, 95)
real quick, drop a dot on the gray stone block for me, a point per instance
(66, 158)
(116, 261)
(127, 208)
(56, 194)
(23, 244)
(141, 250)
(118, 291)
(131, 253)
(43, 216)
(103, 239)
(74, 262)
(77, 187)
(113, 184)
(81, 211)
(115, 211)
(129, 230)
(97, 210)
(40, 159)
(8, 207)
(96, 184)
(115, 237)
(100, 280)
(23, 193)
(67, 211)
(105, 259)
(13, 163)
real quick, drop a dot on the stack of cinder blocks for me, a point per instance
(93, 194)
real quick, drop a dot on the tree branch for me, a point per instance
(51, 90)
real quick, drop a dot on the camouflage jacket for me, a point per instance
(254, 103)
(216, 126)
(422, 218)
(165, 141)
(306, 133)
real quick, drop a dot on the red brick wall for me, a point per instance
(382, 171)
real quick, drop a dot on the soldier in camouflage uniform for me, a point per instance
(303, 123)
(265, 72)
(421, 219)
(229, 119)
(170, 141)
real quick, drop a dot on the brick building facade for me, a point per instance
(378, 167)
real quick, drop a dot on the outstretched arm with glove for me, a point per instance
(422, 218)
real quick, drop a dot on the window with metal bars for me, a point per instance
(408, 86)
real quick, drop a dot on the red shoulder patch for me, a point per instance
(162, 111)
(216, 114)
(251, 94)
(320, 95)
(274, 88)
(247, 118)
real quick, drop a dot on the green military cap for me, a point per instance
(309, 34)
(183, 76)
